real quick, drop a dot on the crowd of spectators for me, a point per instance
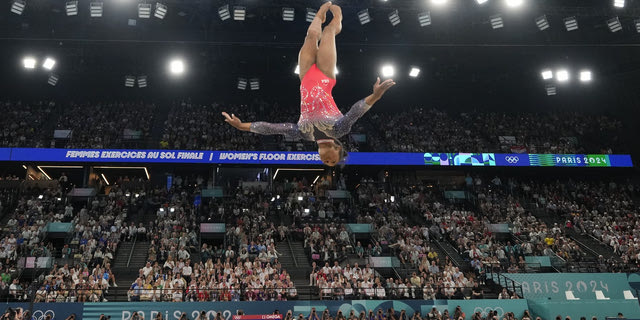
(23, 123)
(194, 126)
(199, 126)
(106, 124)
(429, 130)
(246, 269)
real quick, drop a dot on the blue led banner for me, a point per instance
(312, 158)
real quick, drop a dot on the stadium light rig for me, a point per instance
(394, 18)
(17, 6)
(546, 74)
(514, 3)
(95, 9)
(542, 22)
(53, 80)
(224, 13)
(571, 23)
(239, 13)
(254, 84)
(424, 19)
(142, 81)
(144, 10)
(176, 67)
(551, 90)
(288, 14)
(129, 81)
(496, 21)
(637, 23)
(618, 3)
(364, 16)
(48, 63)
(387, 71)
(585, 76)
(614, 24)
(414, 72)
(562, 75)
(29, 63)
(311, 13)
(71, 7)
(161, 11)
(242, 83)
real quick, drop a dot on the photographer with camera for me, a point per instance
(202, 316)
(137, 316)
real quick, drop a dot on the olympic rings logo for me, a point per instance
(484, 312)
(41, 315)
(512, 159)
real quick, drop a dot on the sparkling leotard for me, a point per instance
(318, 111)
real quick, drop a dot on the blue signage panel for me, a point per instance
(312, 158)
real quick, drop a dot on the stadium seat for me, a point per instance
(629, 295)
(600, 295)
(570, 296)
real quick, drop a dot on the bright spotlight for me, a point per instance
(299, 198)
(414, 72)
(48, 63)
(514, 3)
(585, 76)
(562, 75)
(297, 69)
(439, 2)
(481, 1)
(176, 67)
(546, 74)
(29, 62)
(388, 71)
(618, 3)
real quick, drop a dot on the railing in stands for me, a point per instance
(503, 280)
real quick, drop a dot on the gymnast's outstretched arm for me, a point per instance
(343, 126)
(289, 130)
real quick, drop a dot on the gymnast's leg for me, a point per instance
(309, 50)
(327, 55)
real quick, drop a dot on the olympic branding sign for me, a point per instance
(512, 159)
(42, 314)
(485, 311)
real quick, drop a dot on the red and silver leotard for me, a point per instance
(318, 111)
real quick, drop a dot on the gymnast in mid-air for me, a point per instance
(320, 120)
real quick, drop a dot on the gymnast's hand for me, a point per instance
(236, 122)
(378, 90)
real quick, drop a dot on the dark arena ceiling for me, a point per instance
(463, 60)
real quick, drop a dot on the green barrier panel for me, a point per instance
(359, 227)
(549, 309)
(61, 227)
(553, 285)
(544, 261)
